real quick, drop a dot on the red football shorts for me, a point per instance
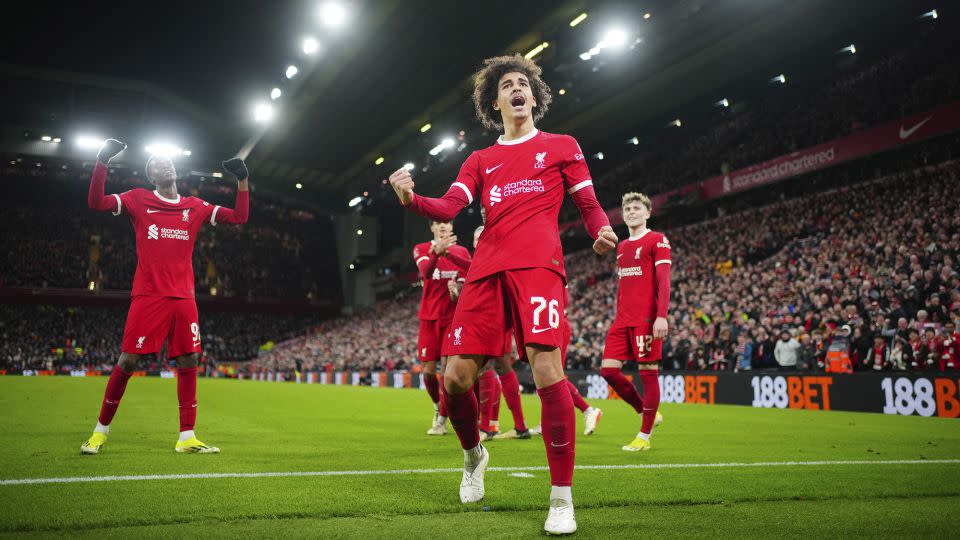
(155, 319)
(635, 343)
(431, 338)
(526, 303)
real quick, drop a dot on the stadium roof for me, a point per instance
(395, 66)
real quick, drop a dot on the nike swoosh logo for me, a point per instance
(152, 211)
(555, 445)
(494, 168)
(905, 133)
(539, 330)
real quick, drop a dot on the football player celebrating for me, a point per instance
(162, 305)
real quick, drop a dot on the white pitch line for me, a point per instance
(80, 479)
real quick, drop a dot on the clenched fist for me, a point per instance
(402, 183)
(606, 241)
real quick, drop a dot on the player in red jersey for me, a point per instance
(439, 261)
(517, 277)
(162, 308)
(637, 332)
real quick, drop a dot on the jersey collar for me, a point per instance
(639, 236)
(523, 139)
(164, 199)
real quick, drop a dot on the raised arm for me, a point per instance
(445, 208)
(241, 210)
(96, 199)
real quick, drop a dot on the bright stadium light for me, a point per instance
(931, 14)
(536, 50)
(599, 155)
(647, 15)
(408, 166)
(781, 78)
(298, 185)
(425, 128)
(216, 174)
(262, 113)
(165, 150)
(634, 141)
(723, 103)
(275, 94)
(57, 139)
(332, 14)
(359, 232)
(352, 266)
(444, 144)
(291, 71)
(310, 45)
(851, 48)
(46, 138)
(578, 19)
(379, 161)
(562, 91)
(585, 56)
(89, 142)
(615, 38)
(187, 153)
(354, 201)
(676, 122)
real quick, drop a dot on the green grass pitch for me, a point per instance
(270, 427)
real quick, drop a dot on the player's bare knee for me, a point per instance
(187, 360)
(128, 362)
(457, 381)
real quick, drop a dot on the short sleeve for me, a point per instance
(468, 179)
(573, 166)
(661, 252)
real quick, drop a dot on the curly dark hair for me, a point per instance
(485, 88)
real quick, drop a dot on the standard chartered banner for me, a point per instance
(895, 393)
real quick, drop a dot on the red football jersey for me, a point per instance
(521, 185)
(166, 230)
(436, 303)
(637, 258)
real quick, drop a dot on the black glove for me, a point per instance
(236, 167)
(109, 150)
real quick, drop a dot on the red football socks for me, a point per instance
(623, 387)
(578, 400)
(486, 384)
(651, 399)
(443, 398)
(463, 416)
(433, 387)
(497, 392)
(187, 396)
(111, 397)
(559, 432)
(511, 394)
